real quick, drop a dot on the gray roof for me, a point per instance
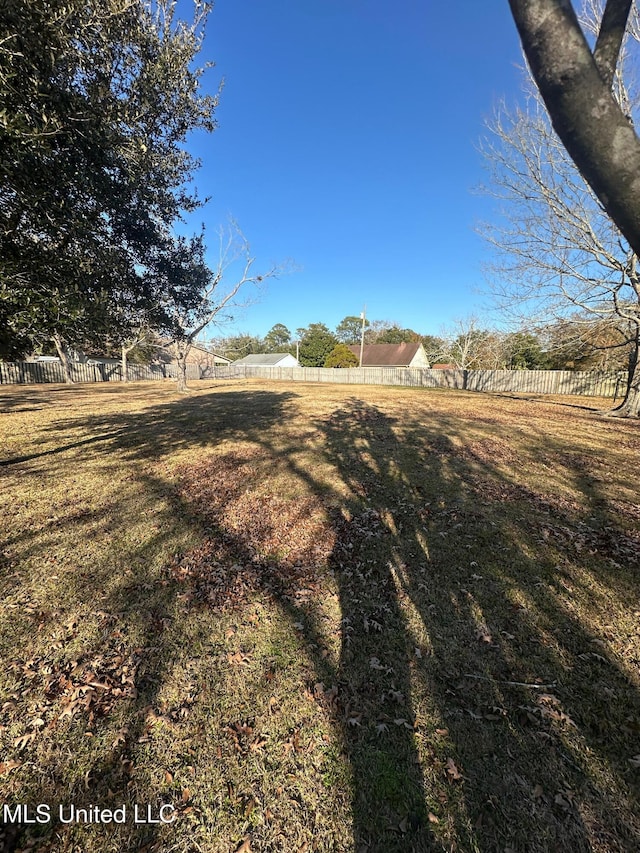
(268, 359)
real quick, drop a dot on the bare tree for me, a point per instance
(471, 347)
(559, 252)
(199, 296)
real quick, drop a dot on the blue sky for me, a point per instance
(347, 143)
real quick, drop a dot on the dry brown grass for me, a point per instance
(320, 618)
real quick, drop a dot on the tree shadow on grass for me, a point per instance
(160, 431)
(115, 626)
(463, 692)
(540, 758)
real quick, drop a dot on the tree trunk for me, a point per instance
(63, 354)
(630, 406)
(597, 135)
(182, 351)
(125, 365)
(182, 375)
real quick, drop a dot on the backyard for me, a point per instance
(297, 617)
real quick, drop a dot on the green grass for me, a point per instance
(320, 618)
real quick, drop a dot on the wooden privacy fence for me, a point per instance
(589, 384)
(28, 372)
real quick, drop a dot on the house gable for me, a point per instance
(392, 355)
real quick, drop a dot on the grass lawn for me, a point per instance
(318, 618)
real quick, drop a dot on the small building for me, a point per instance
(392, 355)
(201, 360)
(205, 359)
(269, 359)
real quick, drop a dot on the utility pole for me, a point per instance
(363, 318)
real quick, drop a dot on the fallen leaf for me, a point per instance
(168, 777)
(483, 635)
(24, 740)
(538, 791)
(7, 766)
(433, 818)
(452, 771)
(245, 846)
(121, 737)
(293, 743)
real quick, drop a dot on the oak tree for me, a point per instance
(98, 100)
(316, 342)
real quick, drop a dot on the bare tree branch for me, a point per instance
(610, 37)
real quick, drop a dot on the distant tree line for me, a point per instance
(572, 344)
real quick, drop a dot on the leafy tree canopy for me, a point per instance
(316, 342)
(277, 339)
(523, 351)
(396, 335)
(341, 356)
(98, 100)
(237, 346)
(349, 330)
(434, 347)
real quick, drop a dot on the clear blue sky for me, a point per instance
(347, 142)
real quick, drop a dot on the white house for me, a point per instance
(269, 359)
